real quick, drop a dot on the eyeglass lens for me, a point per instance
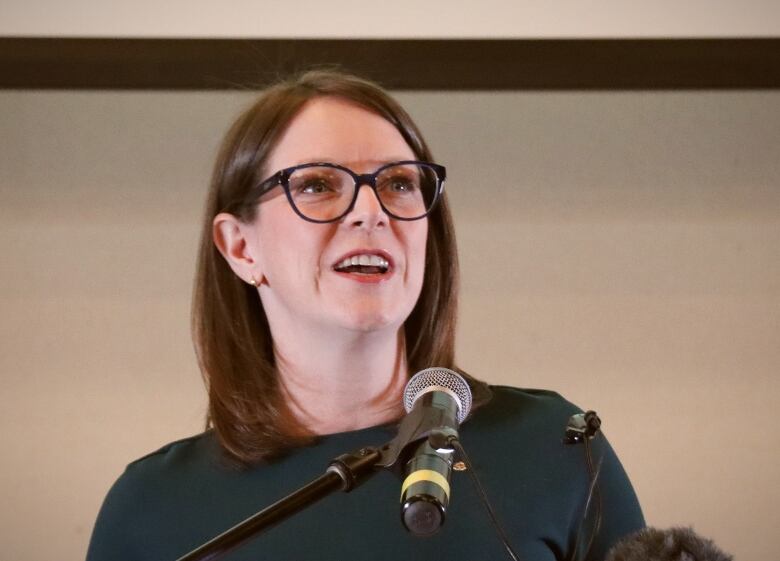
(325, 193)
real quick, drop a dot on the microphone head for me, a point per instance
(439, 379)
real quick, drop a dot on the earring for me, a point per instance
(253, 281)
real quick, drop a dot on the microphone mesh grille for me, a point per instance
(443, 377)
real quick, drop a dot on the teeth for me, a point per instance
(364, 259)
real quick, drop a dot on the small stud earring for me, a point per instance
(253, 282)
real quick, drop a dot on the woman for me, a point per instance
(327, 275)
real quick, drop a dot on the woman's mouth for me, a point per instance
(363, 264)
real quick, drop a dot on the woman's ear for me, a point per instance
(230, 237)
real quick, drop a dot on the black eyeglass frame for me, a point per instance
(282, 177)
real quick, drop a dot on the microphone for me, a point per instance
(675, 544)
(442, 400)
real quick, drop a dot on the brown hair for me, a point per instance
(230, 330)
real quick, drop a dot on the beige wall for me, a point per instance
(621, 248)
(404, 18)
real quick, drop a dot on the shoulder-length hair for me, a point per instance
(230, 330)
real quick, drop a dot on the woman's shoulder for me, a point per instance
(519, 439)
(529, 396)
(522, 421)
(172, 466)
(145, 495)
(528, 406)
(184, 450)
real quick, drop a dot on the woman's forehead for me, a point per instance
(330, 129)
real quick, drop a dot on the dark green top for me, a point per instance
(173, 500)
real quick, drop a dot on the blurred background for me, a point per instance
(614, 171)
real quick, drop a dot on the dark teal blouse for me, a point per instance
(173, 500)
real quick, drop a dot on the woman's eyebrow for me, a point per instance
(349, 164)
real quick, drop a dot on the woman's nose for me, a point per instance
(368, 210)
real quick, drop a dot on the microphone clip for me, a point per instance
(414, 428)
(582, 426)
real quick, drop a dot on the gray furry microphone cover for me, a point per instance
(675, 544)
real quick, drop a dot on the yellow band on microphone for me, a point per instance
(426, 475)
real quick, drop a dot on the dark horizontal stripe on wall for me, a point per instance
(452, 64)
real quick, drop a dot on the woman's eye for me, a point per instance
(401, 185)
(315, 186)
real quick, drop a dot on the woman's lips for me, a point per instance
(365, 265)
(363, 260)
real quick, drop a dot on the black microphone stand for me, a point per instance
(344, 473)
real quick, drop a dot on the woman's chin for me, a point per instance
(371, 319)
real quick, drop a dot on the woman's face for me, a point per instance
(302, 263)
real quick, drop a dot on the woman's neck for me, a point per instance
(342, 381)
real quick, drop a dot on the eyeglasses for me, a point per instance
(324, 192)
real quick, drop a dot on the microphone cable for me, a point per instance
(593, 492)
(455, 443)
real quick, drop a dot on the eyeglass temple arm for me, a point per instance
(266, 185)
